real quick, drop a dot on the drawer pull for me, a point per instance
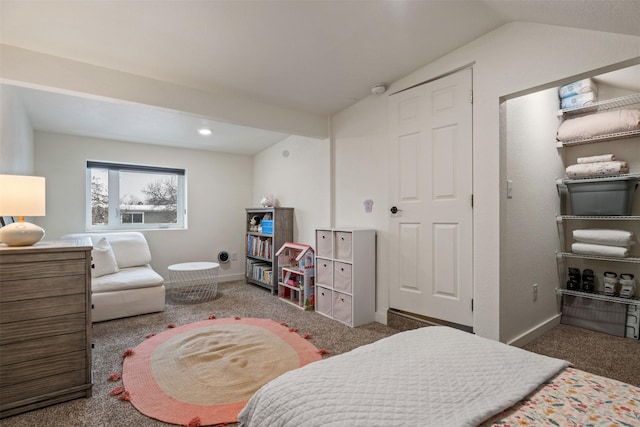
(341, 268)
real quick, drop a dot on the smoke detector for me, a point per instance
(379, 89)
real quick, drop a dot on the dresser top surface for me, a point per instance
(60, 245)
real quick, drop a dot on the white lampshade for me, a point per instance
(22, 196)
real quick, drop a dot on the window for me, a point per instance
(122, 196)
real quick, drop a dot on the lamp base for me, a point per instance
(21, 234)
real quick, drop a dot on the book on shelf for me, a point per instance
(259, 246)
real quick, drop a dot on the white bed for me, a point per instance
(432, 376)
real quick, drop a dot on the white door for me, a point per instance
(431, 258)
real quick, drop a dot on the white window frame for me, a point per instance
(114, 170)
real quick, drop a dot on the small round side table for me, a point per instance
(194, 281)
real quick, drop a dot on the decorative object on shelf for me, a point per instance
(22, 196)
(267, 201)
(255, 223)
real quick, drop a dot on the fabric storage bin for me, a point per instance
(343, 246)
(267, 226)
(342, 309)
(602, 196)
(323, 301)
(324, 272)
(324, 243)
(342, 277)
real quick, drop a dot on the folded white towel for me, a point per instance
(594, 159)
(602, 250)
(608, 237)
(597, 169)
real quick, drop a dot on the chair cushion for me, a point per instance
(103, 261)
(127, 278)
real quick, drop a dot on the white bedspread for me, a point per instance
(432, 376)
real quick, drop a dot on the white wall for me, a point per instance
(16, 135)
(510, 59)
(296, 172)
(529, 232)
(361, 172)
(219, 188)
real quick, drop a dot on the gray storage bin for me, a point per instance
(602, 196)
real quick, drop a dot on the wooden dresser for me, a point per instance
(45, 324)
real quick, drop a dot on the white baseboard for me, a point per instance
(535, 332)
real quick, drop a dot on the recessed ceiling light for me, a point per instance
(204, 131)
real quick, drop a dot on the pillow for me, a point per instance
(103, 259)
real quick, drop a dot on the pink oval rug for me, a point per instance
(210, 369)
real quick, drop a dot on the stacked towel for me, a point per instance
(595, 169)
(594, 159)
(603, 242)
(578, 94)
(600, 250)
(600, 236)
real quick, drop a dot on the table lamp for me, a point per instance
(21, 196)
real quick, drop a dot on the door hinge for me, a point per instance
(472, 200)
(471, 304)
(471, 96)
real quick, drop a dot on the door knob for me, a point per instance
(395, 210)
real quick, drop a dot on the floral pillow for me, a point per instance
(103, 259)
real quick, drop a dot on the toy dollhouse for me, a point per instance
(296, 265)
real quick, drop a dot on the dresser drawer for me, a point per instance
(324, 243)
(323, 300)
(41, 328)
(324, 272)
(30, 370)
(21, 351)
(44, 388)
(16, 311)
(342, 277)
(343, 248)
(342, 310)
(40, 270)
(26, 289)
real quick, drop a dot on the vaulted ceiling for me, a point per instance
(317, 56)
